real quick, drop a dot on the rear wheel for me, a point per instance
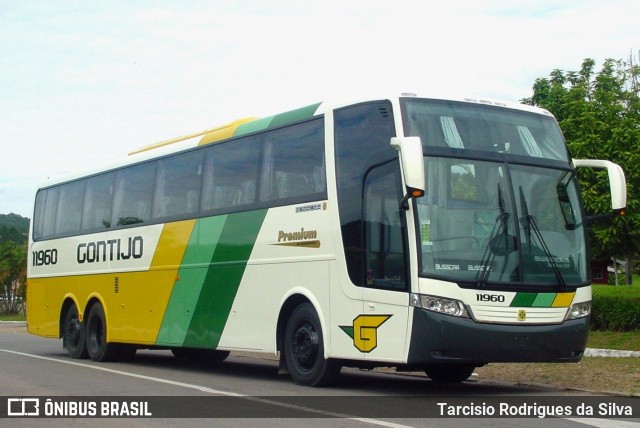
(449, 373)
(73, 334)
(304, 349)
(96, 336)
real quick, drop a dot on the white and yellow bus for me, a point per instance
(418, 233)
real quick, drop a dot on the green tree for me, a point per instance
(599, 114)
(13, 227)
(13, 273)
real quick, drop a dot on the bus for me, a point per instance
(422, 233)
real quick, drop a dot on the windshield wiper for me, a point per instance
(489, 255)
(529, 225)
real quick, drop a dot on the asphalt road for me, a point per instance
(247, 391)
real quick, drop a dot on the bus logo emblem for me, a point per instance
(364, 331)
(522, 315)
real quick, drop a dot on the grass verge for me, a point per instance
(624, 340)
(620, 376)
(12, 317)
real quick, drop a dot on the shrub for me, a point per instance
(615, 308)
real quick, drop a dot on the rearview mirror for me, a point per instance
(617, 182)
(410, 152)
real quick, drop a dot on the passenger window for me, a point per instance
(178, 186)
(293, 165)
(97, 202)
(134, 194)
(69, 208)
(231, 172)
(45, 213)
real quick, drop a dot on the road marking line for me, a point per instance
(605, 423)
(214, 391)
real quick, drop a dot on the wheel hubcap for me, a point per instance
(305, 346)
(73, 332)
(96, 337)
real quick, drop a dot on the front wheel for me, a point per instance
(449, 373)
(304, 349)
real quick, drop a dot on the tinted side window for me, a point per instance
(178, 186)
(293, 166)
(384, 229)
(362, 140)
(134, 195)
(97, 202)
(231, 174)
(45, 213)
(70, 208)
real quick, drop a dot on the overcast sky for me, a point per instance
(85, 82)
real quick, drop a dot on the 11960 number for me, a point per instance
(495, 298)
(44, 257)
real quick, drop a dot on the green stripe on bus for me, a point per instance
(536, 300)
(523, 299)
(191, 274)
(223, 278)
(255, 126)
(294, 115)
(277, 120)
(544, 300)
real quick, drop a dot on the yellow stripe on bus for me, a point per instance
(563, 300)
(172, 245)
(223, 133)
(220, 130)
(144, 296)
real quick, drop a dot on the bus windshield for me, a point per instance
(498, 211)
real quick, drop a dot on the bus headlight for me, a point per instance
(439, 304)
(579, 310)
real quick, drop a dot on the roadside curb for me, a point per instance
(590, 352)
(16, 323)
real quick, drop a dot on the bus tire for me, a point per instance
(73, 334)
(304, 349)
(449, 373)
(96, 336)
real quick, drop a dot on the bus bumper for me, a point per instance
(438, 338)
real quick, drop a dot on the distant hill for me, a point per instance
(14, 227)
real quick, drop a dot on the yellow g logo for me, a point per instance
(364, 331)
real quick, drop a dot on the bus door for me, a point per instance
(386, 291)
